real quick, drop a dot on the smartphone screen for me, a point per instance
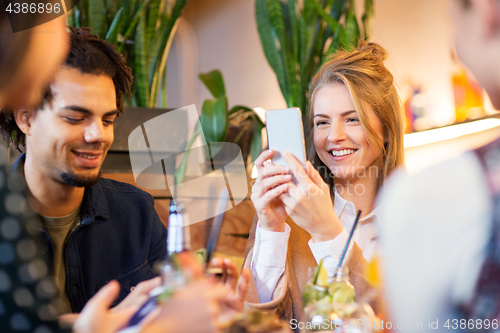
(286, 133)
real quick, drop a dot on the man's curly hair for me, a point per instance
(90, 55)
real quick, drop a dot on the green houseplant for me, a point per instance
(143, 31)
(297, 37)
(219, 123)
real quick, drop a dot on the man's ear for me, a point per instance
(23, 119)
(489, 11)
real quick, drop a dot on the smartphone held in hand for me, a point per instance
(286, 133)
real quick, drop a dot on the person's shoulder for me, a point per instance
(450, 191)
(460, 172)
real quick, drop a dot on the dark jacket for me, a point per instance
(120, 237)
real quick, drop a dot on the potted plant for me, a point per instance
(219, 123)
(143, 32)
(297, 37)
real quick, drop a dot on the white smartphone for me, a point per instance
(286, 133)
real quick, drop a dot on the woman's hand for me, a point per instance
(309, 203)
(273, 181)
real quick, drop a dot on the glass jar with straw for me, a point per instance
(328, 304)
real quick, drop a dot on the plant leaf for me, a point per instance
(286, 54)
(97, 17)
(159, 70)
(366, 19)
(70, 18)
(267, 36)
(332, 23)
(256, 143)
(112, 35)
(352, 34)
(180, 172)
(337, 9)
(77, 15)
(152, 19)
(214, 82)
(141, 80)
(214, 120)
(132, 25)
(125, 4)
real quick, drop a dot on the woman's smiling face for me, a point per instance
(340, 139)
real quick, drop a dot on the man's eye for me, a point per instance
(108, 122)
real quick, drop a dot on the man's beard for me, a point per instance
(71, 179)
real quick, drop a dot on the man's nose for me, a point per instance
(95, 132)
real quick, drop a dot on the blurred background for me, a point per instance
(222, 34)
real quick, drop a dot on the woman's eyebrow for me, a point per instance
(321, 115)
(346, 113)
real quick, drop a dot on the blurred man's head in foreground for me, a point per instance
(29, 58)
(476, 29)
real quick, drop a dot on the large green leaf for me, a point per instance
(337, 9)
(97, 17)
(132, 25)
(152, 20)
(351, 37)
(70, 18)
(127, 15)
(294, 26)
(367, 16)
(159, 50)
(77, 17)
(112, 35)
(175, 12)
(83, 7)
(141, 81)
(158, 66)
(286, 54)
(335, 45)
(214, 120)
(180, 173)
(332, 23)
(267, 36)
(156, 48)
(214, 82)
(256, 143)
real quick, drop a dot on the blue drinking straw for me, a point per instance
(349, 239)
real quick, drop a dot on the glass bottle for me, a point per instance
(313, 292)
(178, 240)
(340, 290)
(342, 295)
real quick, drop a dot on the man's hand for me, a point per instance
(194, 309)
(97, 316)
(236, 297)
(138, 296)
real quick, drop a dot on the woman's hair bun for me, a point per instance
(377, 51)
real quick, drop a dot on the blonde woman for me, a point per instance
(356, 141)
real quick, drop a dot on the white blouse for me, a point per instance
(269, 251)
